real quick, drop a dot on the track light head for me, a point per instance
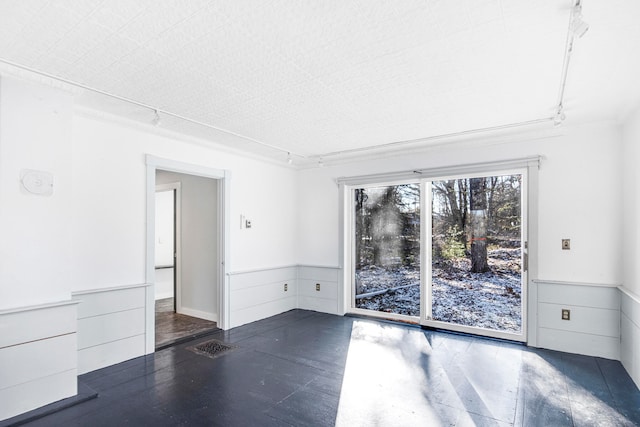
(156, 118)
(578, 26)
(289, 158)
(559, 117)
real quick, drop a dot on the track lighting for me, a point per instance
(289, 158)
(156, 119)
(578, 26)
(320, 163)
(559, 117)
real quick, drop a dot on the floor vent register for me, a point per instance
(211, 348)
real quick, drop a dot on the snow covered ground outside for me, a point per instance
(489, 300)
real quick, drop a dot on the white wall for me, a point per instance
(109, 208)
(89, 237)
(199, 240)
(35, 243)
(580, 198)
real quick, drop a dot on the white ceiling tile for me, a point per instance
(318, 77)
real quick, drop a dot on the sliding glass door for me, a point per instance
(387, 249)
(459, 265)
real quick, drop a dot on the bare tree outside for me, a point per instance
(387, 249)
(475, 251)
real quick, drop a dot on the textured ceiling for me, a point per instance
(320, 77)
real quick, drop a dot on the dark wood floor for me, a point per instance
(172, 327)
(305, 368)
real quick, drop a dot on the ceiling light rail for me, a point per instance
(577, 28)
(156, 119)
(397, 144)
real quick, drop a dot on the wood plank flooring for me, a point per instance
(172, 327)
(303, 368)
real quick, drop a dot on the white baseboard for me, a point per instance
(164, 295)
(213, 317)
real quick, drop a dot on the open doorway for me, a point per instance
(186, 244)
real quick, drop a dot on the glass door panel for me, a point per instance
(476, 254)
(387, 249)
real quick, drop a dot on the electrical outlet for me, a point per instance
(286, 287)
(566, 314)
(566, 244)
(317, 286)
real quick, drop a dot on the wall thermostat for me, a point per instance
(37, 182)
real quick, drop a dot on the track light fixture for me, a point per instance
(559, 116)
(320, 163)
(578, 26)
(289, 158)
(156, 118)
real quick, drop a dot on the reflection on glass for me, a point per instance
(387, 249)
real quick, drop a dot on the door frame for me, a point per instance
(529, 165)
(426, 273)
(177, 239)
(223, 178)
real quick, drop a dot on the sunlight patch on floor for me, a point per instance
(386, 379)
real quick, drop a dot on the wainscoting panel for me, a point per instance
(97, 330)
(38, 356)
(111, 326)
(630, 334)
(258, 294)
(594, 325)
(110, 353)
(309, 297)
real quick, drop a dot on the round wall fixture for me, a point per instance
(37, 182)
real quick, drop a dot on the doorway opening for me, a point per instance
(186, 244)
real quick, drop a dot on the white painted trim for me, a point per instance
(531, 321)
(37, 307)
(259, 270)
(200, 314)
(560, 282)
(109, 289)
(346, 293)
(176, 187)
(333, 267)
(416, 175)
(385, 316)
(224, 219)
(185, 168)
(630, 294)
(224, 176)
(426, 280)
